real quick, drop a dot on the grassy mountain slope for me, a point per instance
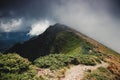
(55, 39)
(60, 46)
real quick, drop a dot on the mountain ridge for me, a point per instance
(62, 50)
(47, 37)
(44, 43)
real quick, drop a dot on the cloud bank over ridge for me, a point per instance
(99, 19)
(92, 19)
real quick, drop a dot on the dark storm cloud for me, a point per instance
(25, 8)
(42, 8)
(9, 7)
(26, 11)
(115, 8)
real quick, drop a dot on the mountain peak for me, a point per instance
(57, 28)
(41, 45)
(60, 25)
(56, 39)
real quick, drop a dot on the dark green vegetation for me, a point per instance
(57, 61)
(14, 67)
(58, 47)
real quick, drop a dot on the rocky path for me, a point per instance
(74, 73)
(77, 72)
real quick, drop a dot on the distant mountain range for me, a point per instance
(8, 39)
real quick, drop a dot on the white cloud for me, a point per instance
(11, 25)
(39, 27)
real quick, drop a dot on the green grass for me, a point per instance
(78, 50)
(66, 41)
(100, 74)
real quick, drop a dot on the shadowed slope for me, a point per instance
(56, 39)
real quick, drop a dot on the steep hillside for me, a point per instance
(56, 39)
(61, 50)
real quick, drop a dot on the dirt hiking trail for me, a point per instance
(77, 72)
